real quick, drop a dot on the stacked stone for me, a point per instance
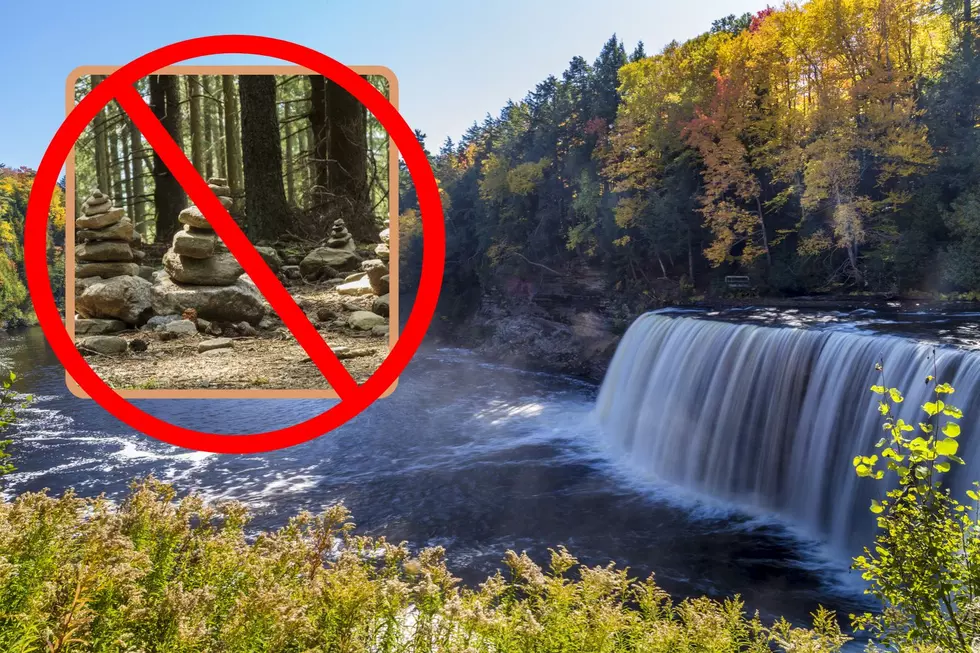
(197, 256)
(109, 296)
(338, 256)
(103, 240)
(340, 238)
(200, 273)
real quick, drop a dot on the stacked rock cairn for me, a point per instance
(200, 275)
(104, 239)
(373, 279)
(340, 238)
(197, 256)
(109, 294)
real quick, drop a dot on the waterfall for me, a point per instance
(771, 417)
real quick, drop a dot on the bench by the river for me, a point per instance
(735, 281)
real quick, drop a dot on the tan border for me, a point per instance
(202, 393)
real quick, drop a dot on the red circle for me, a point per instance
(39, 283)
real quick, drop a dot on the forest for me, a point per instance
(823, 147)
(15, 189)
(330, 159)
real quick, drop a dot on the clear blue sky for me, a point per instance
(455, 60)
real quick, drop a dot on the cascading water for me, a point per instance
(772, 417)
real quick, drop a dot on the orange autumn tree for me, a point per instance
(732, 196)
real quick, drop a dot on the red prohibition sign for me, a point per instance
(354, 398)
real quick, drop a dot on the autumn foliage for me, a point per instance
(15, 189)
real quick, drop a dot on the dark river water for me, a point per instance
(465, 454)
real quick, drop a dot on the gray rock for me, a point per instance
(216, 343)
(219, 270)
(356, 288)
(159, 321)
(325, 314)
(112, 216)
(271, 257)
(380, 330)
(109, 250)
(385, 236)
(267, 322)
(103, 344)
(138, 255)
(221, 190)
(193, 217)
(226, 202)
(181, 327)
(98, 327)
(82, 284)
(217, 181)
(106, 270)
(122, 230)
(364, 320)
(146, 272)
(345, 353)
(355, 277)
(325, 259)
(96, 205)
(292, 272)
(235, 303)
(194, 243)
(125, 298)
(382, 252)
(377, 272)
(381, 306)
(246, 329)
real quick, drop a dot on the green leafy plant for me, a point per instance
(925, 562)
(158, 573)
(10, 401)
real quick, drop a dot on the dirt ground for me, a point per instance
(270, 360)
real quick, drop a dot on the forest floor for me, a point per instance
(270, 360)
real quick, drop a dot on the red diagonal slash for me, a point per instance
(221, 221)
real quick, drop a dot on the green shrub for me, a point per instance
(924, 566)
(161, 574)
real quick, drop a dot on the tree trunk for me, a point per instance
(968, 30)
(168, 195)
(690, 258)
(210, 140)
(127, 169)
(233, 140)
(320, 133)
(266, 210)
(116, 169)
(288, 163)
(136, 171)
(101, 145)
(347, 175)
(218, 131)
(197, 130)
(762, 226)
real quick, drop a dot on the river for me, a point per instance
(481, 458)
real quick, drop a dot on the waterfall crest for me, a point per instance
(771, 417)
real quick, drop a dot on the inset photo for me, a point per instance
(159, 305)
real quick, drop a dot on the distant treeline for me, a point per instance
(825, 146)
(15, 189)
